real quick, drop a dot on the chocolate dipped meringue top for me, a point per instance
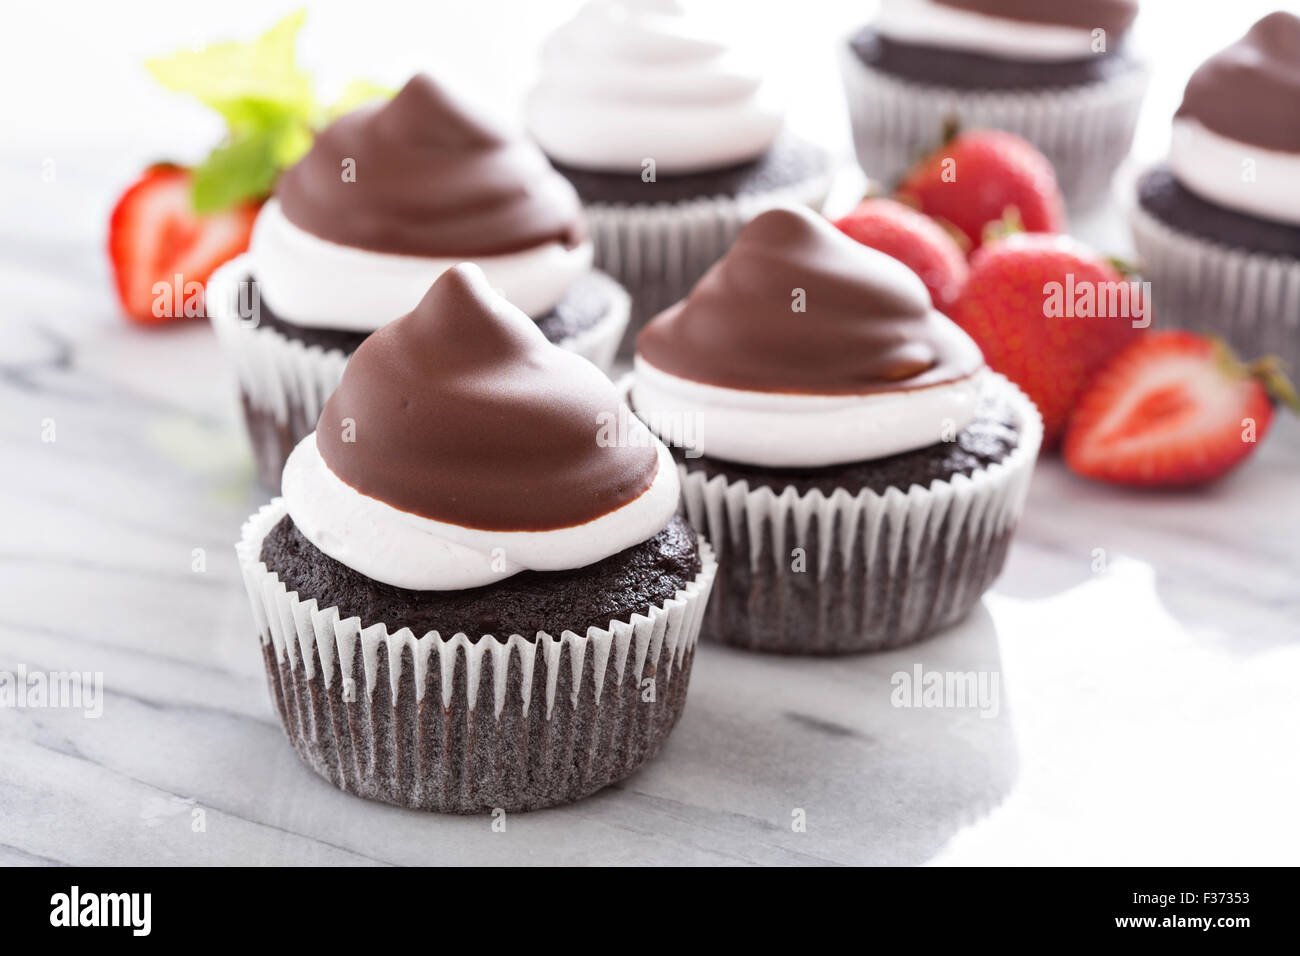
(1250, 92)
(1113, 16)
(798, 307)
(420, 175)
(462, 412)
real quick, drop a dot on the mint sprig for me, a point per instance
(268, 102)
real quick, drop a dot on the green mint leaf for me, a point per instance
(253, 85)
(268, 104)
(291, 143)
(358, 93)
(239, 170)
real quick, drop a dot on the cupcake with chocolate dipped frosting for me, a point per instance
(1045, 70)
(672, 137)
(388, 198)
(475, 591)
(856, 465)
(1217, 225)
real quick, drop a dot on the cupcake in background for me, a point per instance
(389, 197)
(1217, 227)
(1055, 72)
(857, 467)
(671, 138)
(470, 596)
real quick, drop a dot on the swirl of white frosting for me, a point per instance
(411, 551)
(314, 282)
(786, 430)
(629, 80)
(1250, 179)
(925, 23)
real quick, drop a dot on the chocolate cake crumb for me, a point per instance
(626, 583)
(1164, 197)
(789, 162)
(989, 438)
(943, 66)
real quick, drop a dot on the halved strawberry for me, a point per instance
(154, 236)
(1175, 408)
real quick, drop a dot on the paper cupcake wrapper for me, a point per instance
(284, 382)
(1249, 299)
(454, 725)
(1085, 131)
(659, 251)
(875, 571)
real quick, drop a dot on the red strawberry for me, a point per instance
(1174, 409)
(986, 177)
(154, 236)
(914, 240)
(1048, 313)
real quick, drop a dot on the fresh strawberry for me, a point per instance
(915, 240)
(983, 179)
(154, 236)
(1174, 409)
(1048, 313)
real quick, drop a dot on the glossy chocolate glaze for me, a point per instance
(867, 324)
(1250, 91)
(463, 412)
(430, 180)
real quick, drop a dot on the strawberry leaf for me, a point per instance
(1125, 267)
(1008, 225)
(1268, 370)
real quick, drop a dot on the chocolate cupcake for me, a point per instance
(1217, 227)
(469, 597)
(857, 467)
(670, 139)
(388, 198)
(1058, 73)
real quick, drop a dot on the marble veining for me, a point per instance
(1144, 645)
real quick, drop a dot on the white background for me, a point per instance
(1149, 713)
(72, 74)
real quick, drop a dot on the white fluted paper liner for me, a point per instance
(454, 725)
(1250, 299)
(881, 570)
(658, 251)
(285, 382)
(1085, 131)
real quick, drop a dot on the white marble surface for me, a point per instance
(1146, 713)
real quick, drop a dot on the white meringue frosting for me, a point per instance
(627, 81)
